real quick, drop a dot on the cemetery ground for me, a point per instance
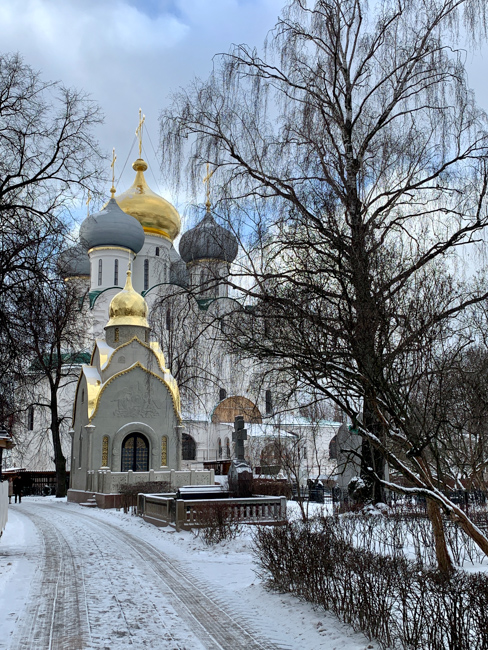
(76, 578)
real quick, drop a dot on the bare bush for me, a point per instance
(218, 523)
(129, 492)
(388, 597)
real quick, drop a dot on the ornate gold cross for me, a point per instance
(142, 119)
(87, 203)
(114, 158)
(206, 180)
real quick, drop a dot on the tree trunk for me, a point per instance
(59, 459)
(444, 561)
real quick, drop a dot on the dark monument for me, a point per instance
(240, 472)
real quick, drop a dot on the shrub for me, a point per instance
(217, 523)
(130, 491)
(389, 598)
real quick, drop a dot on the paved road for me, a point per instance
(98, 586)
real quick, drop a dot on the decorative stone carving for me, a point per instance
(129, 403)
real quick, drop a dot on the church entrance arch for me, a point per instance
(135, 453)
(188, 447)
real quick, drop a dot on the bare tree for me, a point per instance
(352, 163)
(50, 334)
(48, 155)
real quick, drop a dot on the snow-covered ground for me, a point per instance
(72, 578)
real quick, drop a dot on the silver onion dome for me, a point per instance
(112, 227)
(208, 240)
(74, 262)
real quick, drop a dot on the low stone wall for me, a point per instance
(104, 485)
(166, 510)
(3, 505)
(107, 482)
(104, 501)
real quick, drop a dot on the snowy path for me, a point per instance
(73, 578)
(99, 585)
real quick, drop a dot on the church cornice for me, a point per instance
(173, 390)
(158, 354)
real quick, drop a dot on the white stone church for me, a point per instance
(158, 391)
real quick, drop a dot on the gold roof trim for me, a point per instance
(158, 353)
(170, 385)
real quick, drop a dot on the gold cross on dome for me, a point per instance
(142, 119)
(206, 180)
(87, 203)
(114, 158)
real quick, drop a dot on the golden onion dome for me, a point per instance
(128, 307)
(156, 215)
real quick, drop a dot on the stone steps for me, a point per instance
(90, 503)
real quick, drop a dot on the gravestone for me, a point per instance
(240, 472)
(349, 445)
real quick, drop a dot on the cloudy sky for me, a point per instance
(133, 53)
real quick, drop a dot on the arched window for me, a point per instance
(146, 275)
(188, 447)
(99, 273)
(269, 403)
(157, 251)
(227, 448)
(116, 272)
(222, 394)
(83, 396)
(219, 444)
(135, 453)
(333, 448)
(30, 418)
(168, 319)
(116, 334)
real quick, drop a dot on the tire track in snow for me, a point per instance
(211, 622)
(52, 619)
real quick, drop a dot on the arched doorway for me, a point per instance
(135, 453)
(188, 447)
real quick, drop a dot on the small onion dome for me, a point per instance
(128, 307)
(156, 215)
(74, 263)
(112, 227)
(208, 240)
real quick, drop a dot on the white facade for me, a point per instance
(213, 384)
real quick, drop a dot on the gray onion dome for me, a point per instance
(74, 262)
(208, 240)
(112, 227)
(178, 273)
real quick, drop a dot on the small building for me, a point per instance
(126, 417)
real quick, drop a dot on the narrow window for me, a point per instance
(116, 272)
(222, 394)
(164, 451)
(168, 319)
(116, 334)
(105, 451)
(157, 251)
(146, 275)
(227, 448)
(83, 396)
(30, 418)
(99, 273)
(146, 336)
(220, 448)
(80, 449)
(269, 403)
